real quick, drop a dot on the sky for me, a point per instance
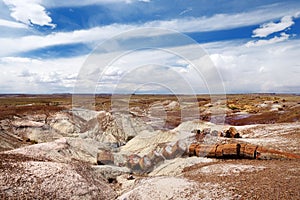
(149, 46)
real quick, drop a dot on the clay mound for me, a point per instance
(44, 179)
(63, 150)
(9, 141)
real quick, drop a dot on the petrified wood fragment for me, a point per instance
(206, 150)
(105, 157)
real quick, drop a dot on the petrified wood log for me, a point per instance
(206, 150)
(248, 151)
(228, 150)
(236, 150)
(267, 154)
(134, 163)
(192, 149)
(145, 164)
(105, 157)
(156, 158)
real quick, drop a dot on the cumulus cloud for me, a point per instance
(269, 68)
(35, 76)
(29, 12)
(275, 39)
(269, 28)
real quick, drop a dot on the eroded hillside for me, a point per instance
(49, 148)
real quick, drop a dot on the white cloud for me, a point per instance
(275, 39)
(11, 24)
(185, 11)
(60, 3)
(99, 34)
(36, 76)
(269, 28)
(272, 67)
(269, 68)
(221, 21)
(27, 43)
(29, 12)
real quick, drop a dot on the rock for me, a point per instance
(172, 105)
(215, 133)
(105, 157)
(64, 126)
(120, 159)
(231, 132)
(110, 172)
(237, 135)
(206, 131)
(27, 123)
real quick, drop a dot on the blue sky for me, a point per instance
(254, 45)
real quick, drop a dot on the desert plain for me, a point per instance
(51, 148)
